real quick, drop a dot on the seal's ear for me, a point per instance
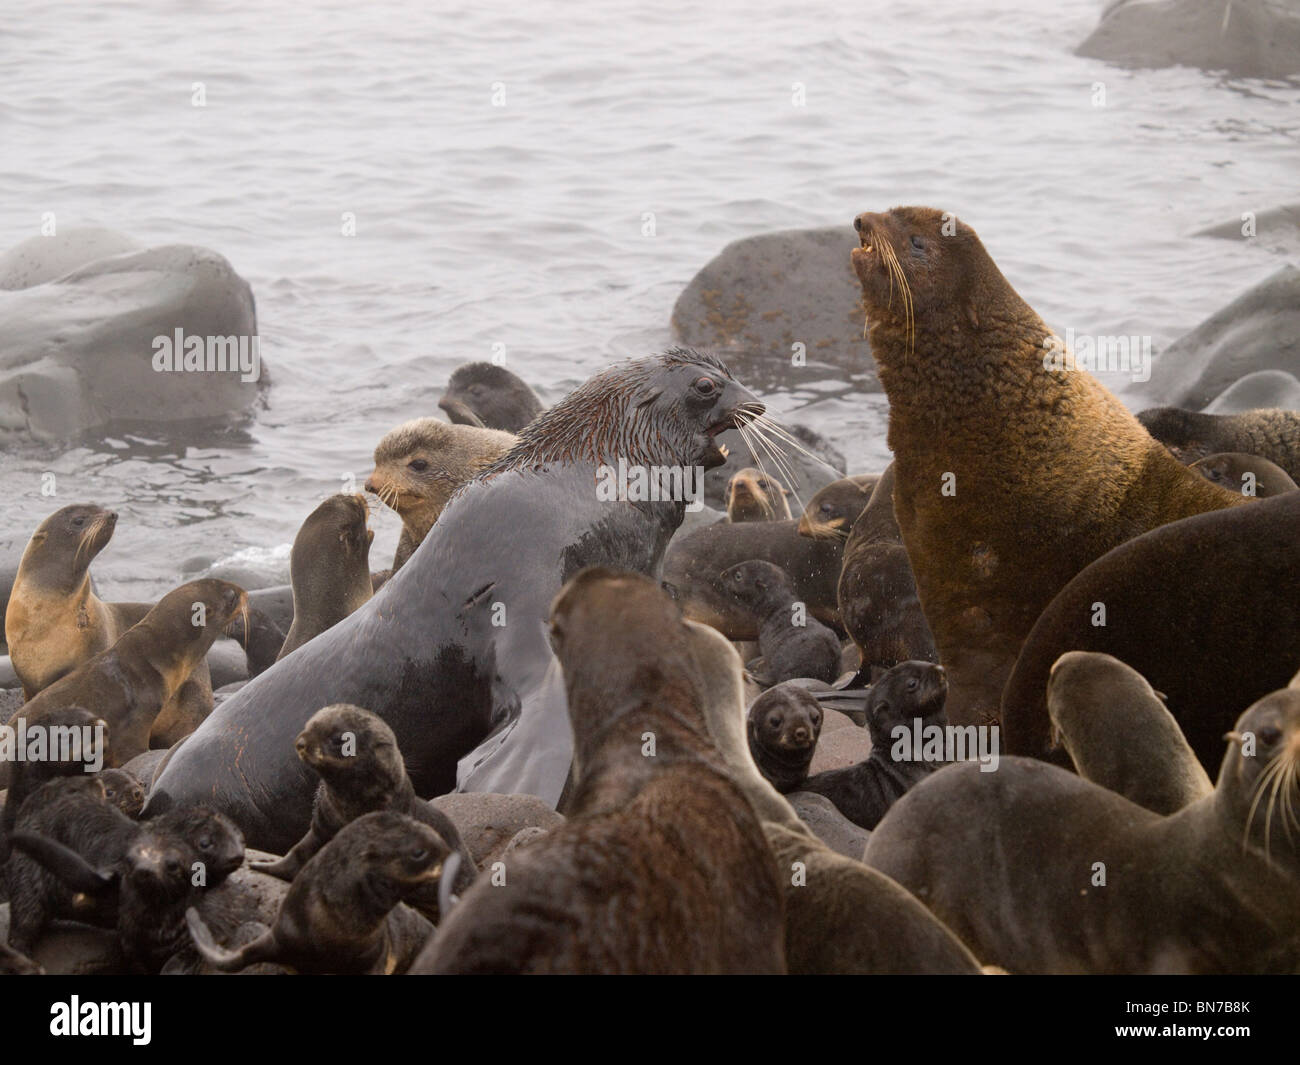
(648, 395)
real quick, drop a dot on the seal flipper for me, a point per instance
(227, 961)
(65, 863)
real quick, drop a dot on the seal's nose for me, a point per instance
(857, 223)
(370, 484)
(802, 735)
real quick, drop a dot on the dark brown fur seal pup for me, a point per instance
(454, 646)
(841, 917)
(421, 464)
(343, 912)
(695, 559)
(1146, 591)
(753, 495)
(1270, 434)
(122, 790)
(1214, 888)
(1120, 735)
(73, 759)
(831, 512)
(129, 684)
(490, 397)
(1248, 474)
(55, 622)
(662, 866)
(877, 596)
(1009, 477)
(783, 725)
(361, 771)
(329, 568)
(793, 644)
(864, 792)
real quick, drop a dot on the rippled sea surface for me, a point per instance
(521, 224)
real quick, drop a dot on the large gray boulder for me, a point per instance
(79, 351)
(1246, 38)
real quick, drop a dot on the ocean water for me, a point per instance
(521, 225)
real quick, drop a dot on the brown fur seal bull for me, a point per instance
(831, 512)
(1119, 734)
(1270, 434)
(128, 685)
(1040, 871)
(55, 622)
(1010, 475)
(421, 464)
(488, 396)
(1203, 609)
(662, 866)
(753, 495)
(329, 568)
(1248, 474)
(454, 646)
(841, 917)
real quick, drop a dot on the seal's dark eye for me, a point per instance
(78, 522)
(774, 722)
(1270, 734)
(419, 854)
(418, 465)
(912, 684)
(918, 243)
(706, 386)
(826, 508)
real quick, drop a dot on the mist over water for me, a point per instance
(521, 225)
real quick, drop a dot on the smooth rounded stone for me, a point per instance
(71, 949)
(1265, 389)
(77, 352)
(706, 515)
(839, 749)
(144, 765)
(522, 838)
(275, 602)
(1277, 228)
(266, 892)
(833, 721)
(762, 295)
(488, 822)
(227, 663)
(1259, 330)
(1246, 38)
(829, 825)
(39, 259)
(11, 692)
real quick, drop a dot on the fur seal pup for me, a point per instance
(841, 917)
(122, 790)
(1009, 477)
(421, 464)
(329, 568)
(129, 684)
(454, 646)
(361, 771)
(662, 865)
(864, 792)
(86, 747)
(1213, 888)
(792, 643)
(343, 911)
(1135, 602)
(1271, 434)
(831, 512)
(490, 397)
(696, 557)
(1248, 474)
(877, 596)
(55, 622)
(1120, 735)
(260, 636)
(783, 725)
(753, 495)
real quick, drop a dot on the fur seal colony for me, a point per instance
(534, 747)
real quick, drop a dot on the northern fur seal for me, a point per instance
(329, 567)
(343, 912)
(831, 512)
(488, 396)
(1214, 888)
(1271, 434)
(1120, 735)
(662, 865)
(1135, 602)
(753, 495)
(55, 622)
(1248, 474)
(28, 774)
(793, 643)
(864, 792)
(421, 464)
(1010, 476)
(454, 646)
(129, 684)
(783, 725)
(841, 917)
(877, 597)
